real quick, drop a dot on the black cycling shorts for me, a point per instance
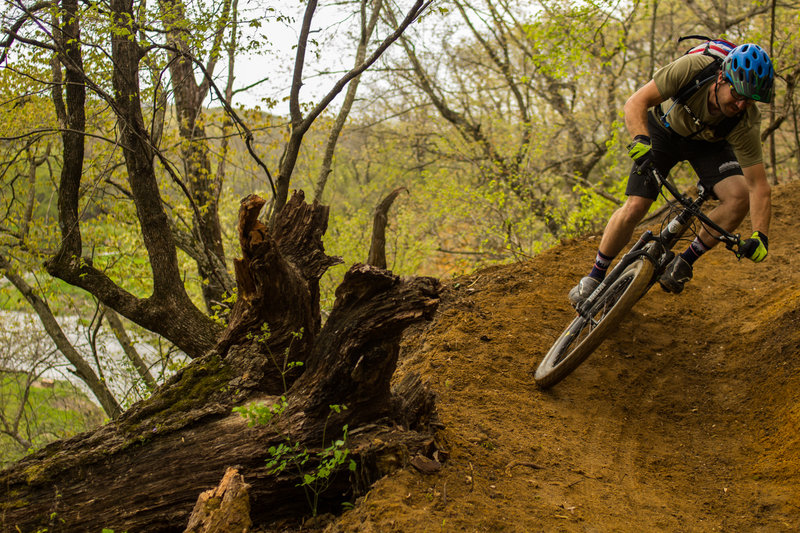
(711, 161)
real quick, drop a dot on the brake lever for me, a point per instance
(730, 244)
(734, 244)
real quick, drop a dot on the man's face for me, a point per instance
(731, 103)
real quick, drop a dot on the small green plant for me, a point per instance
(262, 414)
(221, 311)
(283, 366)
(328, 461)
(315, 469)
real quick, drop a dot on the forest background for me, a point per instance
(493, 129)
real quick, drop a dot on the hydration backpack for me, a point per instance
(718, 49)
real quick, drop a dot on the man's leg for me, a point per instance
(617, 234)
(619, 229)
(734, 202)
(641, 191)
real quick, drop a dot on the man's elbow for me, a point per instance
(631, 105)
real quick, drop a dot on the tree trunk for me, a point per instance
(145, 470)
(202, 184)
(169, 311)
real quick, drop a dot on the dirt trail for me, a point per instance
(687, 419)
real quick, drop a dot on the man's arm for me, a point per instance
(760, 193)
(636, 108)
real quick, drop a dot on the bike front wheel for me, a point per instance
(585, 334)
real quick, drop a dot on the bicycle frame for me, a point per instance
(659, 253)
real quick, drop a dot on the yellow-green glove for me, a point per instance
(639, 150)
(754, 248)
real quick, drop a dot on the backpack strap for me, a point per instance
(706, 75)
(701, 78)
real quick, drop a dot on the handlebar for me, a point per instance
(732, 241)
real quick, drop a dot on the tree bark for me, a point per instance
(377, 247)
(169, 311)
(225, 509)
(145, 470)
(202, 184)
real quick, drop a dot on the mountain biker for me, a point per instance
(730, 165)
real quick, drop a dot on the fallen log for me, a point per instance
(145, 470)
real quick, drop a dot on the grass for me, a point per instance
(12, 300)
(53, 410)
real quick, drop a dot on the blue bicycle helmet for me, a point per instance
(749, 70)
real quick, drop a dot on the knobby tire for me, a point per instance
(584, 335)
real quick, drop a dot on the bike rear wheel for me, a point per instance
(584, 335)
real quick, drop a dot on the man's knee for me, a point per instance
(635, 208)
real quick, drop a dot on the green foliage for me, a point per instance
(261, 414)
(315, 469)
(220, 310)
(50, 410)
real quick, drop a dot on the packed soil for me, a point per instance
(686, 419)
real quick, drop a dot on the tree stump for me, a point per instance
(145, 470)
(224, 509)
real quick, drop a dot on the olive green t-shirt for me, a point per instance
(745, 138)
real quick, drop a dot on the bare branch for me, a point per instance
(367, 28)
(414, 12)
(12, 31)
(83, 369)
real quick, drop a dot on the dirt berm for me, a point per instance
(686, 419)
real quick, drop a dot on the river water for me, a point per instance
(25, 346)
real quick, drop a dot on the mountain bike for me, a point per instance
(628, 281)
